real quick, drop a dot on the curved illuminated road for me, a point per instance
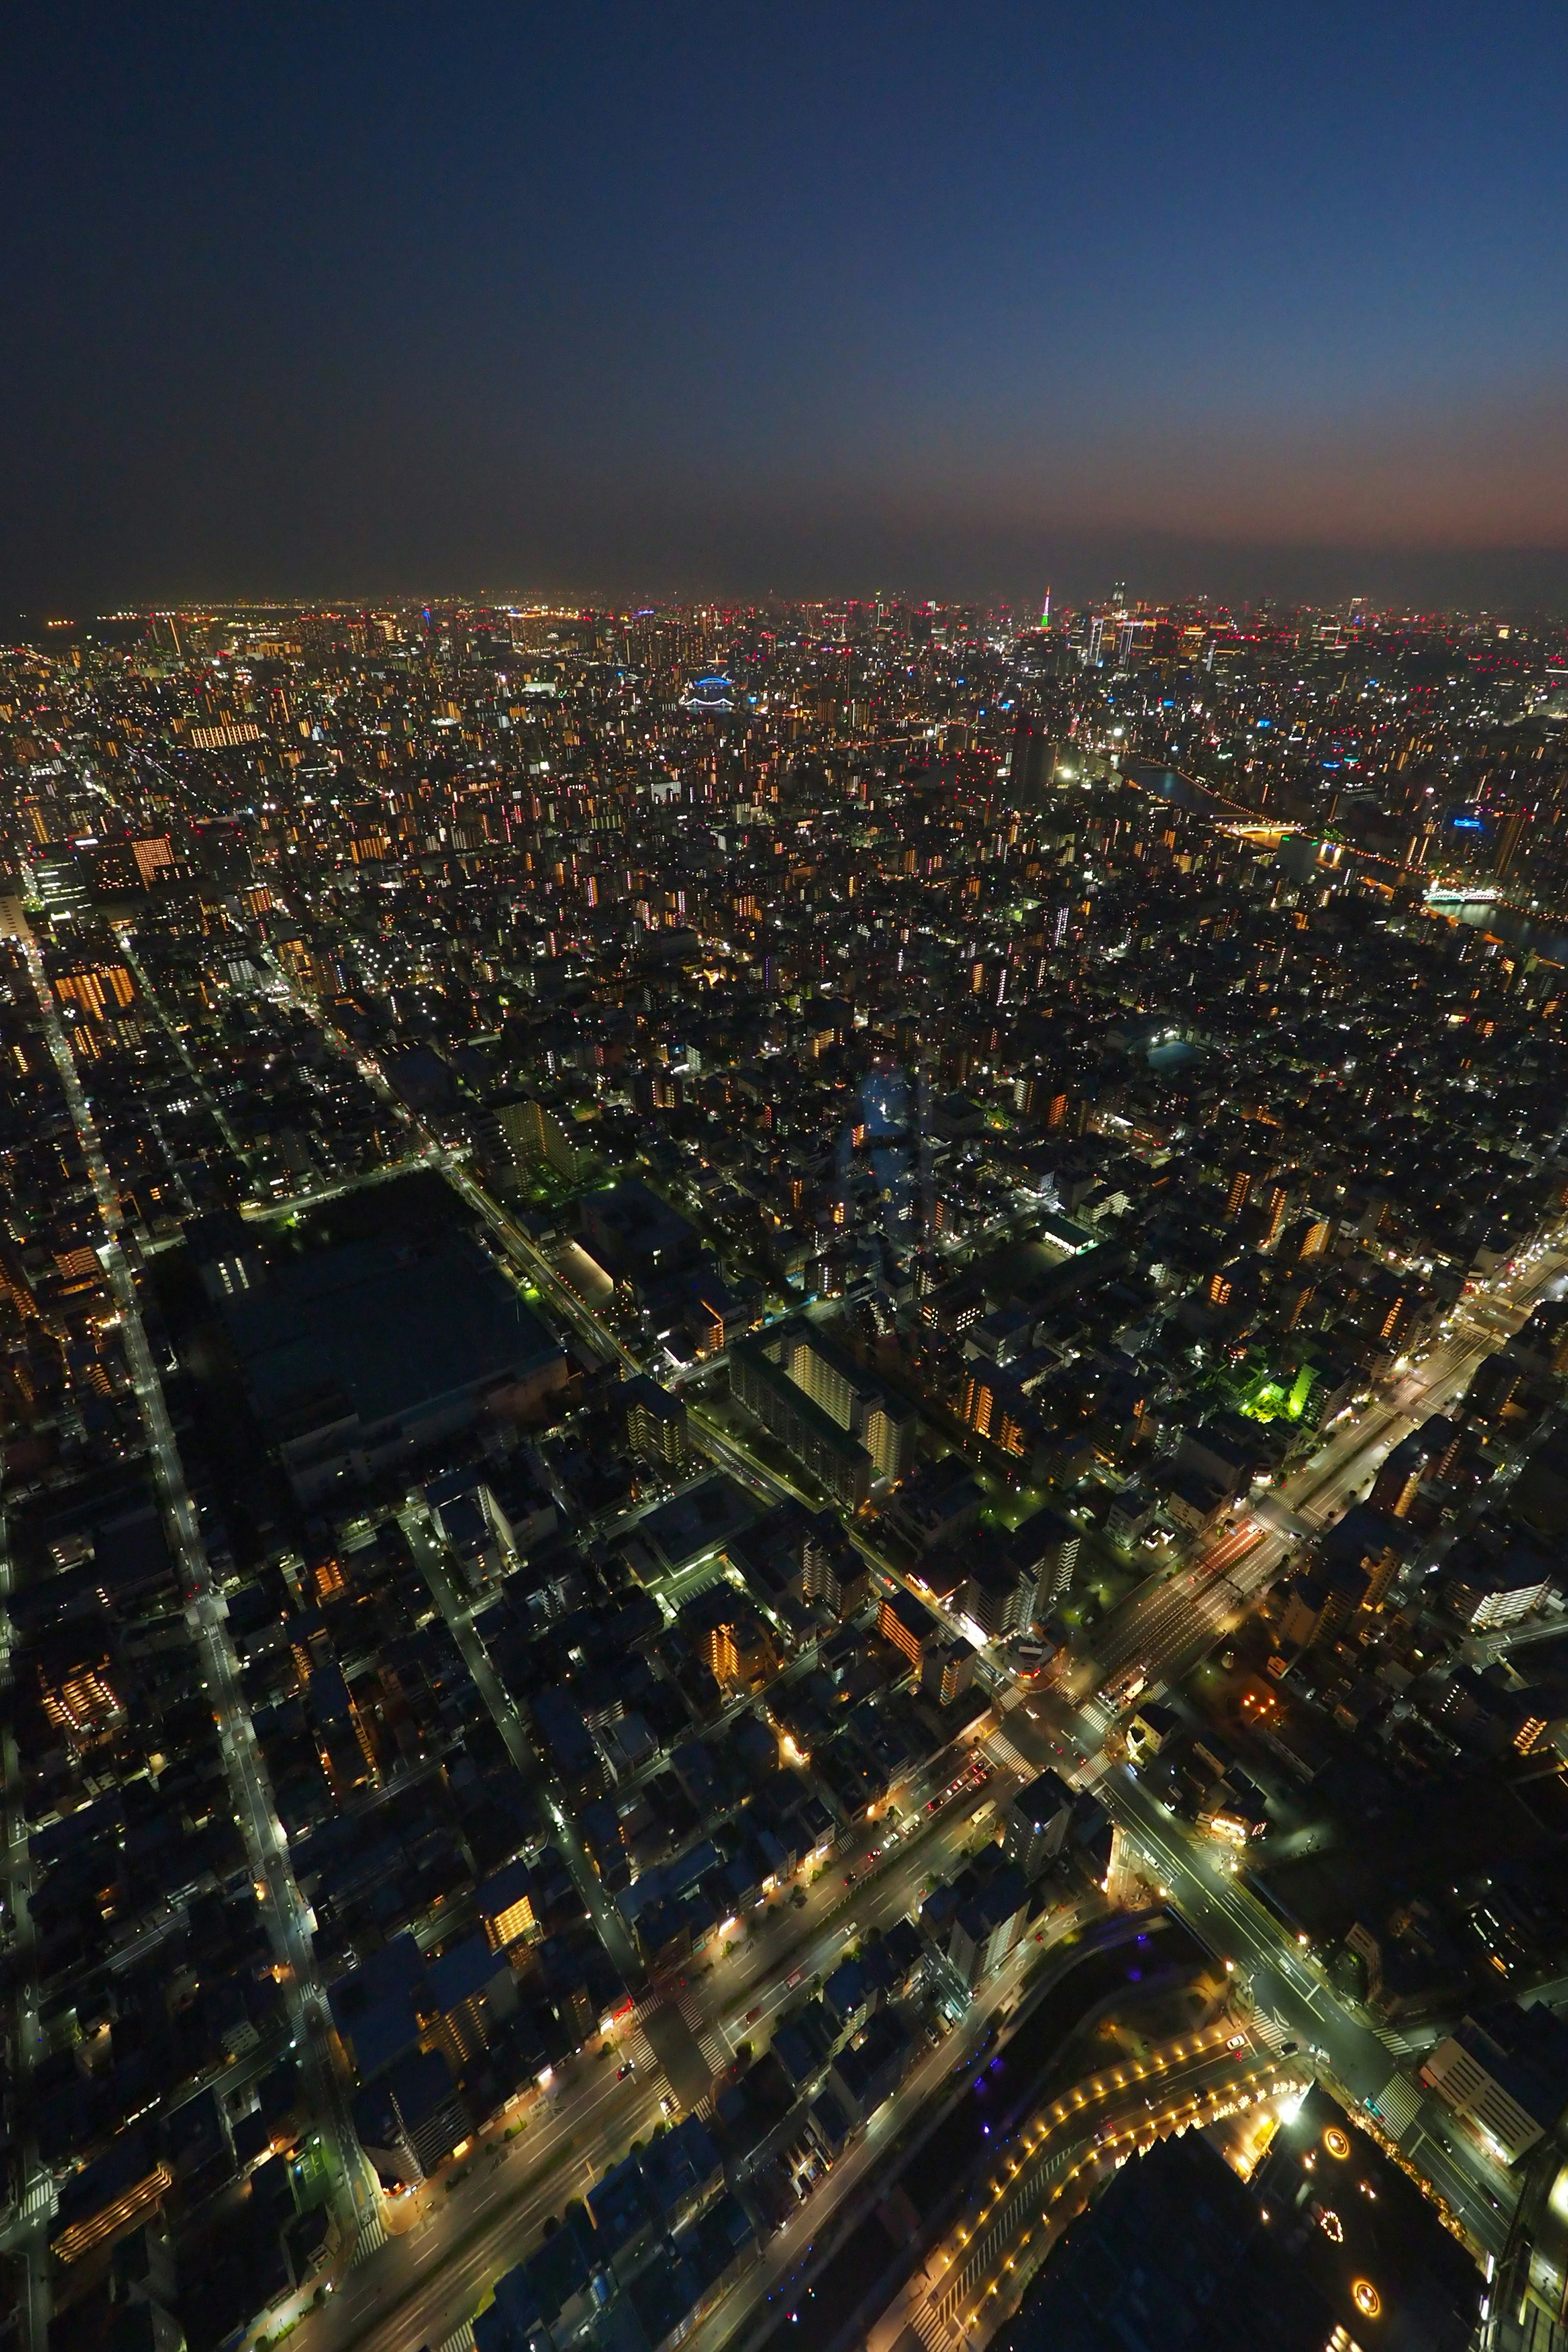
(982, 2265)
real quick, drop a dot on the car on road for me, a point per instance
(753, 2013)
(629, 2068)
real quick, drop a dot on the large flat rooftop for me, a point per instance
(385, 1325)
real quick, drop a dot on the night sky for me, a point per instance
(616, 301)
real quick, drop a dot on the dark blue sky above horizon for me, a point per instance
(612, 300)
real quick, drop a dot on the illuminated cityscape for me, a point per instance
(762, 1450)
(783, 1180)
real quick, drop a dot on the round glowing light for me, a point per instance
(1336, 2142)
(1366, 2299)
(1332, 2226)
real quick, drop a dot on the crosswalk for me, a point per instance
(1003, 1754)
(370, 2239)
(1406, 2042)
(933, 2333)
(708, 2037)
(41, 2196)
(1271, 2032)
(639, 2050)
(1397, 2106)
(711, 2037)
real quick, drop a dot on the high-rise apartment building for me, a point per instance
(538, 1139)
(910, 1626)
(884, 1421)
(656, 1422)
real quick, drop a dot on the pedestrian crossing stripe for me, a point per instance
(931, 2331)
(1406, 2043)
(370, 2239)
(1397, 2106)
